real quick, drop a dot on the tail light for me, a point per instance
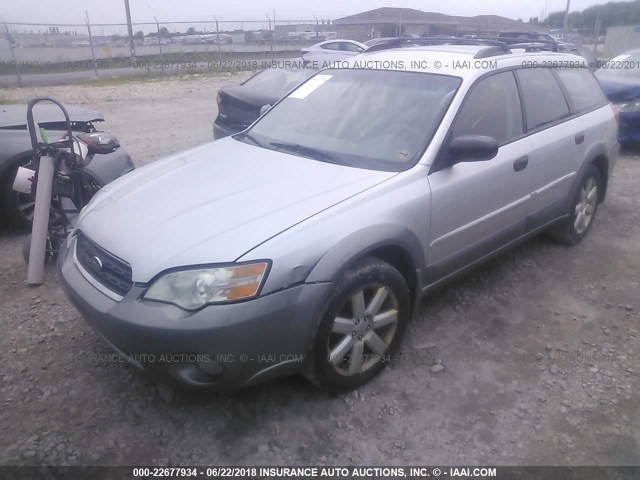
(100, 142)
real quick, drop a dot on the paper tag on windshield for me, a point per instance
(310, 86)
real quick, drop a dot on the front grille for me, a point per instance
(109, 270)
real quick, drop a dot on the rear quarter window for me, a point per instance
(582, 88)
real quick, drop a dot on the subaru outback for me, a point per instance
(305, 243)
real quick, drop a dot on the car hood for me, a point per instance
(213, 204)
(249, 95)
(16, 115)
(619, 89)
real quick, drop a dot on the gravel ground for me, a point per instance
(530, 360)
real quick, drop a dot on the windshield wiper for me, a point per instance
(251, 138)
(309, 152)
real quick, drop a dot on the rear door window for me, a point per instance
(544, 101)
(582, 88)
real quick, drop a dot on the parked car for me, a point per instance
(239, 105)
(15, 151)
(620, 80)
(582, 51)
(330, 47)
(379, 41)
(529, 36)
(305, 243)
(548, 42)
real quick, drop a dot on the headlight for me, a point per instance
(192, 289)
(633, 106)
(218, 99)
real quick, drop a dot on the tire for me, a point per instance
(18, 207)
(349, 349)
(8, 198)
(583, 210)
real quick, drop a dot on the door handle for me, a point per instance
(521, 163)
(579, 138)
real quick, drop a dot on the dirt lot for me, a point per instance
(539, 348)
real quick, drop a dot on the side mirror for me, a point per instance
(264, 109)
(473, 148)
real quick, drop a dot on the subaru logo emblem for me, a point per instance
(96, 264)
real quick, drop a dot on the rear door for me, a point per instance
(479, 206)
(558, 142)
(586, 99)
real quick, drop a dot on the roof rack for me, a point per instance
(425, 41)
(501, 46)
(491, 52)
(525, 43)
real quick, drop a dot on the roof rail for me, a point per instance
(491, 52)
(525, 42)
(425, 41)
(501, 46)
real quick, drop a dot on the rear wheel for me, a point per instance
(583, 211)
(361, 327)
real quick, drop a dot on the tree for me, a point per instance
(191, 31)
(139, 35)
(611, 14)
(164, 32)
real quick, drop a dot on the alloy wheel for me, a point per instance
(363, 330)
(586, 206)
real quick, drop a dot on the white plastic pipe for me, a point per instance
(39, 230)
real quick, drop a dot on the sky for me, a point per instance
(112, 11)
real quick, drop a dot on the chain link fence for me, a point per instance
(105, 49)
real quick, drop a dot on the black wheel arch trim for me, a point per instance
(367, 242)
(595, 152)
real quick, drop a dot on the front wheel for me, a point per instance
(361, 327)
(583, 210)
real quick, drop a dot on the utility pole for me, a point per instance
(93, 54)
(132, 48)
(13, 54)
(159, 43)
(596, 34)
(566, 18)
(218, 41)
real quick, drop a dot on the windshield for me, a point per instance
(625, 66)
(279, 80)
(377, 119)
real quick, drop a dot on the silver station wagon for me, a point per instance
(305, 243)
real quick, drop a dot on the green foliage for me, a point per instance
(611, 14)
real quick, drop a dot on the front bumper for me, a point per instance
(218, 347)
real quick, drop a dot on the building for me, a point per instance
(621, 39)
(300, 30)
(394, 22)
